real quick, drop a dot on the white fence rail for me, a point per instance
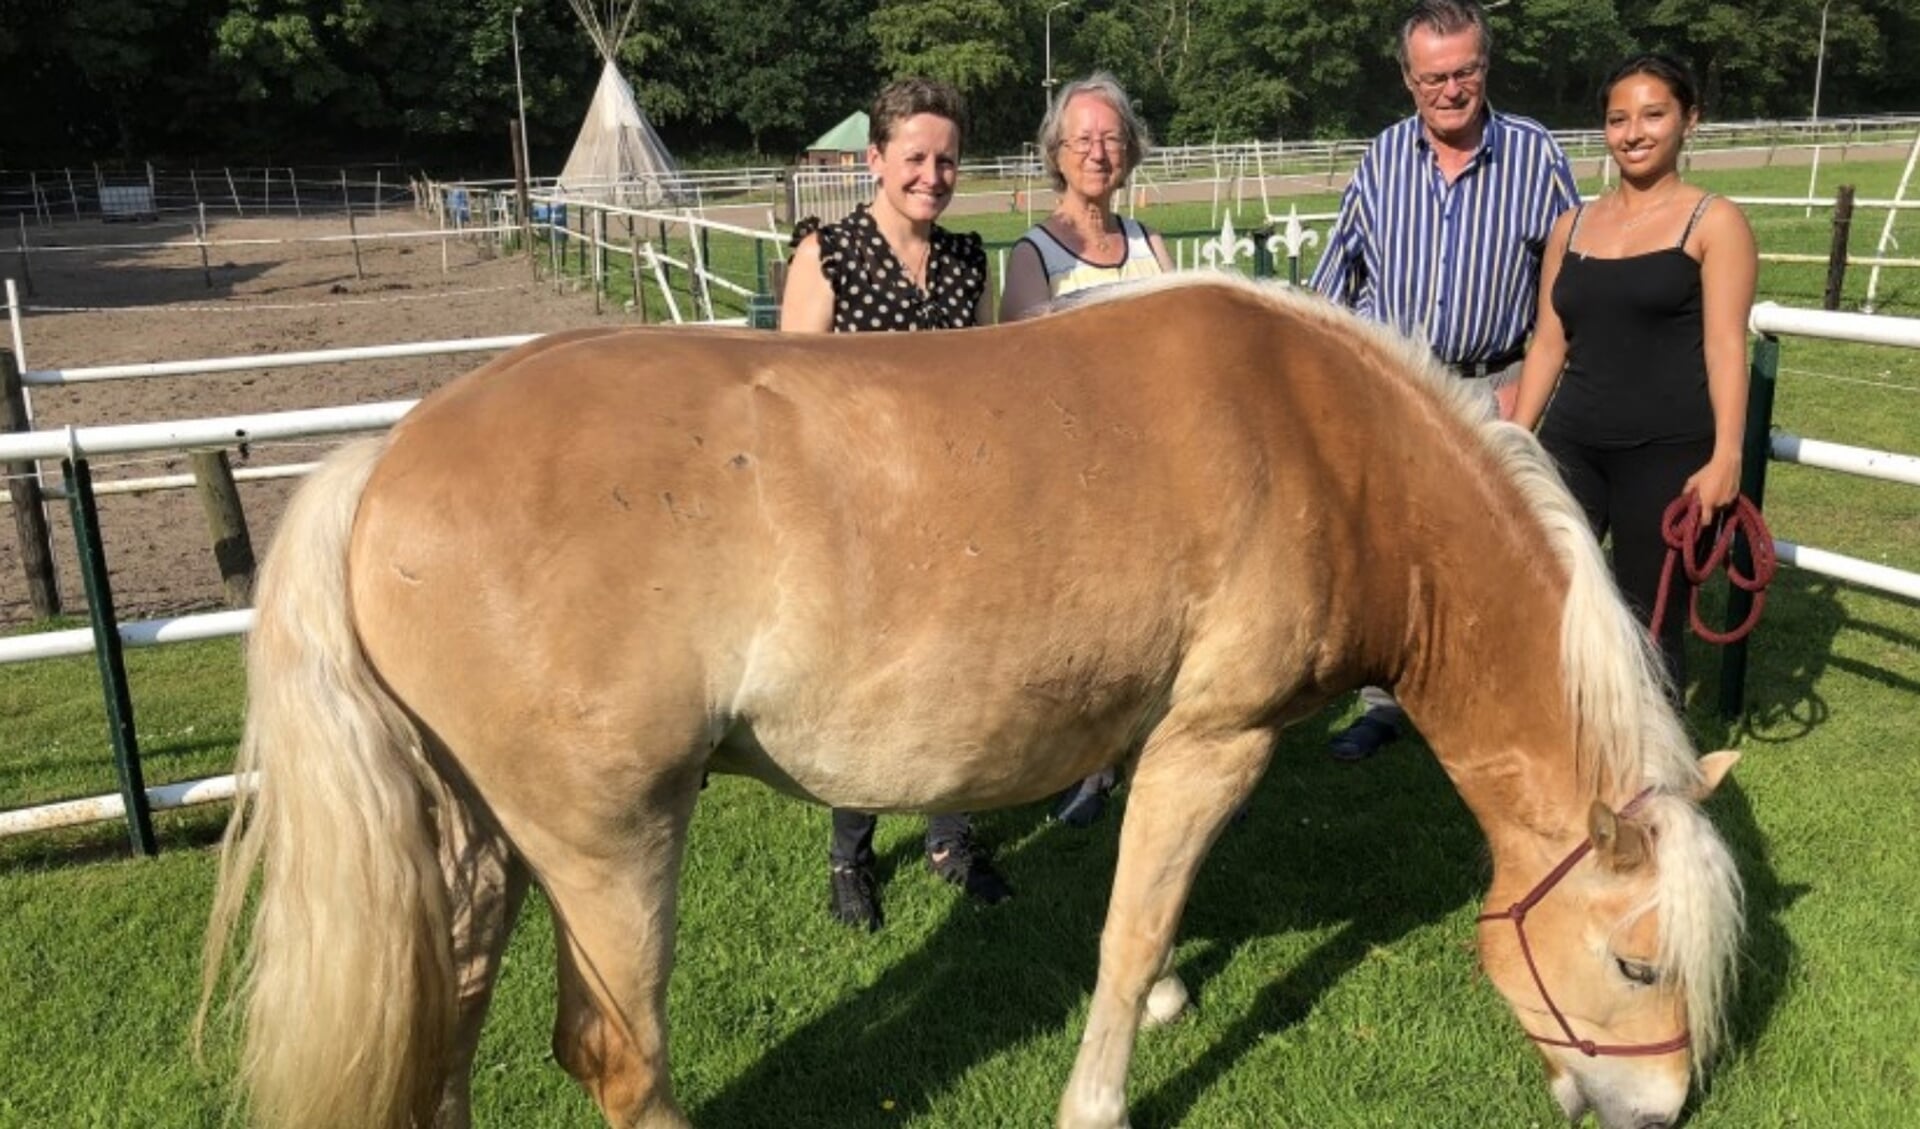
(1774, 320)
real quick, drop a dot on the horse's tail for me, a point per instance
(346, 985)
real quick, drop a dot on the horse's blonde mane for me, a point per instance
(1628, 737)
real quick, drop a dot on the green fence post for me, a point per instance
(1765, 371)
(107, 653)
(1262, 254)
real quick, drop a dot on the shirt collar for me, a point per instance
(1491, 135)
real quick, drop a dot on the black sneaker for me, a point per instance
(1082, 805)
(969, 866)
(853, 898)
(1362, 739)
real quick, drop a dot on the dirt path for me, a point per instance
(119, 306)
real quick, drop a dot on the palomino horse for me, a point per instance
(930, 572)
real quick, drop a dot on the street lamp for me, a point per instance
(1819, 67)
(520, 97)
(1047, 81)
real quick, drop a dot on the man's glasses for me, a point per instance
(1465, 76)
(1085, 145)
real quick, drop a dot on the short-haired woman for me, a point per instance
(889, 267)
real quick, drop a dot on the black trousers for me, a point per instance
(1624, 491)
(853, 835)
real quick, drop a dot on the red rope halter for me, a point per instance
(1517, 913)
(1680, 527)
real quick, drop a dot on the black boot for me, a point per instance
(853, 897)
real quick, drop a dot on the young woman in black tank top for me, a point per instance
(1636, 376)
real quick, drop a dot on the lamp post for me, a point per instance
(1819, 68)
(520, 97)
(1047, 81)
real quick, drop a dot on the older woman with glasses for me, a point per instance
(1091, 141)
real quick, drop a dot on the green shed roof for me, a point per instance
(850, 136)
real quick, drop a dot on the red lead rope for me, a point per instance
(1680, 527)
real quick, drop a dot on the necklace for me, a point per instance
(918, 275)
(1100, 243)
(1647, 211)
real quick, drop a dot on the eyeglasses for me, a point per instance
(1085, 145)
(1465, 76)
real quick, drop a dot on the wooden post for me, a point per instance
(227, 523)
(233, 192)
(1837, 254)
(352, 230)
(29, 512)
(193, 178)
(597, 232)
(633, 260)
(521, 194)
(26, 268)
(293, 186)
(376, 192)
(73, 195)
(206, 267)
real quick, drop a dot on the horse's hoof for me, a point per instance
(1166, 1002)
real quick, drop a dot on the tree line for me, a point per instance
(305, 81)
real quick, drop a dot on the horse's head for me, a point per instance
(1617, 961)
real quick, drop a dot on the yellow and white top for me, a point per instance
(1068, 272)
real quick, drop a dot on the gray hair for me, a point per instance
(1104, 86)
(1445, 17)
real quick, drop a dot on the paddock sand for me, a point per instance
(120, 306)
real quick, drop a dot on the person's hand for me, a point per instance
(1716, 485)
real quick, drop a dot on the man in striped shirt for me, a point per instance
(1441, 232)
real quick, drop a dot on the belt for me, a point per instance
(1475, 370)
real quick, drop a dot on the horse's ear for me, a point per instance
(1619, 844)
(1714, 768)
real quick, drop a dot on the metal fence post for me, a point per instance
(107, 653)
(1262, 253)
(1758, 446)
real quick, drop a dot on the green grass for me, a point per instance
(1328, 941)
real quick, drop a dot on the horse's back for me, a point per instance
(951, 549)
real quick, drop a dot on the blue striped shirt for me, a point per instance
(1457, 265)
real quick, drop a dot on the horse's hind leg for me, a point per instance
(1185, 789)
(488, 882)
(615, 915)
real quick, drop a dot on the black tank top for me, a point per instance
(1636, 347)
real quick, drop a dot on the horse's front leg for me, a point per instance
(1184, 790)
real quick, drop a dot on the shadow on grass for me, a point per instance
(1769, 951)
(1373, 850)
(1787, 656)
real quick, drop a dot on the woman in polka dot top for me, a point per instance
(887, 268)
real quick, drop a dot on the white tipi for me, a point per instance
(617, 157)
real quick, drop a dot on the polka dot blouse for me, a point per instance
(872, 292)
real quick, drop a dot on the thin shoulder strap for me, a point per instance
(1699, 210)
(1579, 213)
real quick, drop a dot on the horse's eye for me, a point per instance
(1637, 972)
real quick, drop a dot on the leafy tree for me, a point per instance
(1549, 58)
(979, 46)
